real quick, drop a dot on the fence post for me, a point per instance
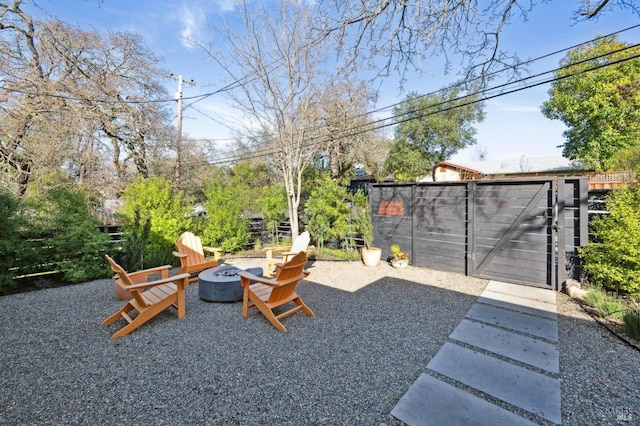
(470, 228)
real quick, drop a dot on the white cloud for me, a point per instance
(226, 5)
(190, 25)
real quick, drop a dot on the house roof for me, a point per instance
(458, 167)
(520, 165)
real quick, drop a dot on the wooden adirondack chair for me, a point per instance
(138, 277)
(300, 244)
(148, 298)
(191, 254)
(269, 293)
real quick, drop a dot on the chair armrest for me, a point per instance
(180, 255)
(217, 252)
(174, 278)
(212, 249)
(248, 276)
(277, 248)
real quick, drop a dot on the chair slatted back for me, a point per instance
(301, 243)
(290, 270)
(126, 281)
(191, 245)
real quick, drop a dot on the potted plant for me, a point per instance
(370, 255)
(399, 259)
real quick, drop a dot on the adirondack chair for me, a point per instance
(269, 293)
(300, 244)
(138, 277)
(148, 298)
(191, 255)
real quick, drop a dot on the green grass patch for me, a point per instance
(632, 325)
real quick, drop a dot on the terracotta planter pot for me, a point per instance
(371, 256)
(123, 294)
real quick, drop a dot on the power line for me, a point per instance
(463, 83)
(383, 123)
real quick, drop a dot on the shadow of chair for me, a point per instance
(148, 298)
(300, 244)
(266, 294)
(191, 255)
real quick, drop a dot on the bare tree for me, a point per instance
(394, 35)
(281, 85)
(66, 91)
(347, 131)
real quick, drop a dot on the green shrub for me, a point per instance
(611, 308)
(632, 325)
(225, 225)
(12, 245)
(595, 297)
(64, 214)
(154, 202)
(327, 212)
(612, 260)
(606, 306)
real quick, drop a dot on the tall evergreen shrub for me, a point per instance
(612, 260)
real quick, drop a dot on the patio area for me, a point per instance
(374, 332)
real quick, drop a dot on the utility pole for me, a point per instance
(178, 171)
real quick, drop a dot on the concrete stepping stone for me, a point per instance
(514, 346)
(430, 401)
(533, 293)
(534, 392)
(535, 326)
(516, 303)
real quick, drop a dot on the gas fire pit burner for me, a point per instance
(222, 283)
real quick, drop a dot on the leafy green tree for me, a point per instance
(601, 107)
(327, 211)
(405, 161)
(153, 200)
(627, 159)
(613, 259)
(249, 179)
(431, 129)
(225, 225)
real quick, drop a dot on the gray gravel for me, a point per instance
(374, 332)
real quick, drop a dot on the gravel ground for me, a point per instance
(374, 332)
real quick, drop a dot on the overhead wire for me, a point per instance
(383, 123)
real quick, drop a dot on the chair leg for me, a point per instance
(298, 301)
(137, 322)
(268, 313)
(115, 317)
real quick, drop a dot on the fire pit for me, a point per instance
(222, 284)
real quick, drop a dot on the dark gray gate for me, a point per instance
(523, 231)
(511, 232)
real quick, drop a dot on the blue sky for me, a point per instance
(513, 125)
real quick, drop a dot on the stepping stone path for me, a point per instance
(500, 366)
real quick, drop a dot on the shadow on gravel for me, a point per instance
(349, 365)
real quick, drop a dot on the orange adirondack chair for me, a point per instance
(191, 254)
(269, 293)
(148, 298)
(300, 244)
